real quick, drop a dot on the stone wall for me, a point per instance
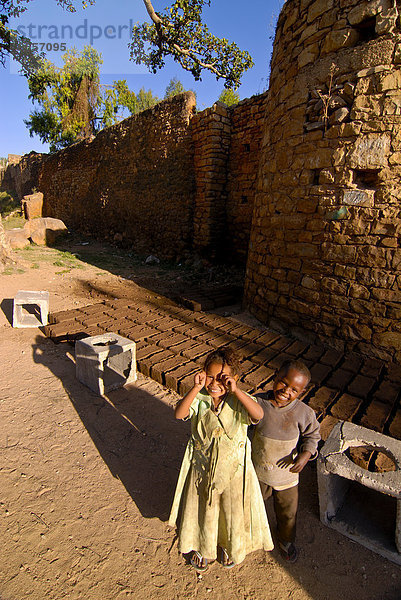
(247, 119)
(324, 258)
(210, 130)
(21, 174)
(167, 181)
(133, 183)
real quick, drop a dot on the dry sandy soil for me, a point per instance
(86, 482)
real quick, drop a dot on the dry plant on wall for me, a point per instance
(325, 98)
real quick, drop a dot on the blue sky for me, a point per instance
(250, 25)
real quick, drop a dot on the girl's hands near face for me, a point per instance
(200, 379)
(229, 382)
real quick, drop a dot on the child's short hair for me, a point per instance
(224, 356)
(297, 365)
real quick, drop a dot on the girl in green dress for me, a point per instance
(218, 504)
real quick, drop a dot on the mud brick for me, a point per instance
(361, 386)
(241, 331)
(331, 357)
(352, 362)
(395, 425)
(64, 315)
(184, 328)
(205, 338)
(394, 373)
(92, 309)
(297, 348)
(326, 426)
(346, 407)
(246, 367)
(176, 338)
(260, 375)
(184, 346)
(253, 335)
(91, 320)
(145, 364)
(236, 345)
(93, 330)
(144, 350)
(319, 372)
(376, 415)
(247, 387)
(196, 352)
(248, 349)
(108, 324)
(138, 332)
(161, 338)
(360, 456)
(59, 330)
(185, 384)
(265, 387)
(268, 337)
(111, 312)
(73, 336)
(322, 399)
(173, 376)
(281, 344)
(120, 303)
(216, 321)
(277, 362)
(229, 327)
(372, 367)
(197, 330)
(219, 340)
(203, 318)
(340, 379)
(314, 353)
(264, 355)
(166, 324)
(157, 370)
(383, 463)
(387, 392)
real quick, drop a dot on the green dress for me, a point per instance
(218, 501)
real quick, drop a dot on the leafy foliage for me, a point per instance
(178, 31)
(229, 97)
(73, 105)
(69, 98)
(174, 87)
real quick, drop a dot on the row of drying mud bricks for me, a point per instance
(172, 343)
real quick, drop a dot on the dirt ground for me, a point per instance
(86, 482)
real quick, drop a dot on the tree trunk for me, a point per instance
(6, 254)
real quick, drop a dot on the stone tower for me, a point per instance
(325, 255)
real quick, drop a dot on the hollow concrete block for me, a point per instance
(30, 309)
(105, 362)
(336, 471)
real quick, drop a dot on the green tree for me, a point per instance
(178, 31)
(73, 104)
(174, 87)
(69, 98)
(229, 97)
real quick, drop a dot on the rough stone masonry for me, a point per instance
(324, 255)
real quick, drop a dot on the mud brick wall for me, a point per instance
(134, 182)
(324, 258)
(210, 130)
(246, 135)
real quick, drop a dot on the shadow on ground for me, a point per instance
(135, 433)
(6, 306)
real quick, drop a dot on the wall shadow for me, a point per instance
(135, 433)
(7, 305)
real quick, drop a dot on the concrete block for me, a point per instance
(105, 362)
(365, 516)
(31, 309)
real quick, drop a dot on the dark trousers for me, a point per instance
(285, 508)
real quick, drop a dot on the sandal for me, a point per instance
(225, 560)
(202, 566)
(288, 551)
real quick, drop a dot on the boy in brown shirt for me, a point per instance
(284, 441)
